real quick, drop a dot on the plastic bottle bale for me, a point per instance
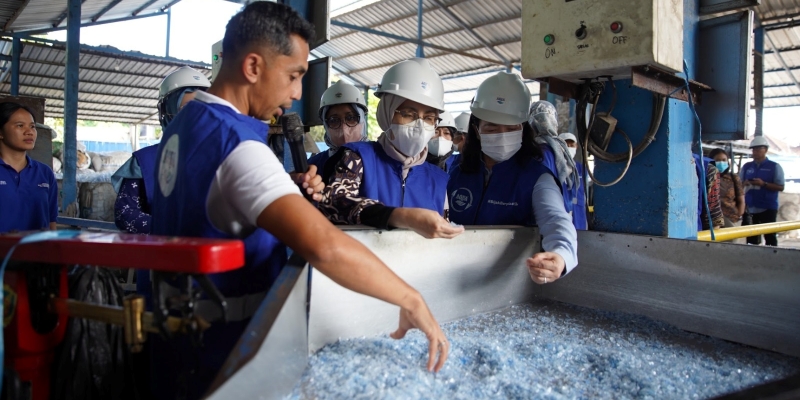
(56, 165)
(789, 210)
(114, 159)
(97, 201)
(97, 161)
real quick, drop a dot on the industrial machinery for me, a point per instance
(36, 304)
(607, 37)
(738, 293)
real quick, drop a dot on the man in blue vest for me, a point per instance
(216, 178)
(763, 179)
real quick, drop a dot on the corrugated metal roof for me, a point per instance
(365, 57)
(114, 85)
(43, 14)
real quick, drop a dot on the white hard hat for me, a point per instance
(414, 80)
(341, 93)
(447, 121)
(462, 122)
(568, 136)
(502, 99)
(759, 141)
(181, 78)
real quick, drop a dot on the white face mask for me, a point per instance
(501, 146)
(346, 134)
(410, 138)
(440, 146)
(572, 151)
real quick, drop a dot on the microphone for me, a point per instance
(293, 131)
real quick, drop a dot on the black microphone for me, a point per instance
(293, 130)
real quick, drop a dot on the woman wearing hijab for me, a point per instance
(387, 183)
(343, 113)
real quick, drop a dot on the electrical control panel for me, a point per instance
(216, 59)
(577, 39)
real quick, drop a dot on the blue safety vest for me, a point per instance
(549, 162)
(425, 185)
(193, 147)
(505, 200)
(761, 197)
(579, 209)
(319, 160)
(146, 158)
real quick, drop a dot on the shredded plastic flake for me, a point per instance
(546, 351)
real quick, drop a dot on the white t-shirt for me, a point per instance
(246, 183)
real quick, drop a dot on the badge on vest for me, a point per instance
(168, 166)
(461, 199)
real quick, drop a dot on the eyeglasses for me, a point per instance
(336, 122)
(408, 117)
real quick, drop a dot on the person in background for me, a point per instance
(763, 179)
(28, 188)
(556, 156)
(440, 147)
(134, 181)
(343, 111)
(387, 183)
(500, 180)
(710, 183)
(731, 192)
(579, 201)
(462, 126)
(216, 178)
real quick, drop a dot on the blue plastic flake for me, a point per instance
(546, 351)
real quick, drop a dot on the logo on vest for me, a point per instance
(44, 185)
(503, 203)
(461, 199)
(168, 166)
(2, 182)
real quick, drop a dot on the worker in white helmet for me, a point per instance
(500, 180)
(579, 201)
(387, 183)
(441, 147)
(343, 112)
(763, 179)
(135, 180)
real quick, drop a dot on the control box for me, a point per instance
(216, 59)
(577, 39)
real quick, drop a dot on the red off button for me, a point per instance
(616, 27)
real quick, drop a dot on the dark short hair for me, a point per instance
(716, 152)
(264, 23)
(8, 109)
(470, 160)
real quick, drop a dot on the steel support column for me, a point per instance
(16, 52)
(758, 78)
(69, 189)
(420, 47)
(169, 28)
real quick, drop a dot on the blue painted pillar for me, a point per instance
(16, 53)
(420, 47)
(69, 188)
(658, 195)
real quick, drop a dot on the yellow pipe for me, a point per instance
(726, 234)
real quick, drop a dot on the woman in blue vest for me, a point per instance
(343, 112)
(500, 181)
(440, 147)
(763, 179)
(387, 183)
(135, 180)
(28, 189)
(578, 202)
(543, 118)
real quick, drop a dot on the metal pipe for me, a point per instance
(726, 234)
(169, 26)
(420, 47)
(69, 186)
(16, 52)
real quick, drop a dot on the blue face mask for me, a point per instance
(722, 166)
